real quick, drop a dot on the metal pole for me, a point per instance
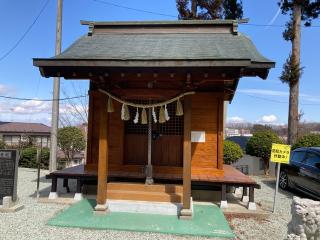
(56, 96)
(277, 186)
(38, 174)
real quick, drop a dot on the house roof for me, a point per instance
(214, 43)
(21, 127)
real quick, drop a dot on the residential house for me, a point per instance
(16, 133)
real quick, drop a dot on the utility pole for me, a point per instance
(293, 119)
(56, 96)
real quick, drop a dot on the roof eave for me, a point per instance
(51, 62)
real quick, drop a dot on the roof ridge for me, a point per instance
(161, 22)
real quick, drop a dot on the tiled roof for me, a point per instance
(20, 127)
(164, 46)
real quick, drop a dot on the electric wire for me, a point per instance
(173, 16)
(6, 54)
(41, 100)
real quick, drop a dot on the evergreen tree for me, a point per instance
(209, 9)
(300, 11)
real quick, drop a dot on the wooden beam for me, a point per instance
(103, 155)
(186, 201)
(220, 133)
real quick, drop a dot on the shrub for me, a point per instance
(260, 144)
(2, 144)
(231, 152)
(70, 141)
(28, 158)
(309, 140)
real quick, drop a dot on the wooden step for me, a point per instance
(142, 192)
(144, 196)
(162, 188)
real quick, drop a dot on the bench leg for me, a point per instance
(251, 204)
(66, 184)
(245, 197)
(223, 203)
(53, 194)
(78, 196)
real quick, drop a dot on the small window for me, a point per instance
(312, 159)
(297, 157)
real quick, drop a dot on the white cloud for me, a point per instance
(73, 109)
(32, 106)
(269, 120)
(3, 89)
(235, 119)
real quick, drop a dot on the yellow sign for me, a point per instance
(280, 153)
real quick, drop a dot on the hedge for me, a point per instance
(28, 158)
(231, 152)
(309, 140)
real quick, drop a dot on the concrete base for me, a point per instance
(7, 202)
(252, 206)
(149, 181)
(8, 206)
(245, 199)
(53, 195)
(223, 204)
(12, 209)
(101, 209)
(131, 206)
(187, 214)
(78, 197)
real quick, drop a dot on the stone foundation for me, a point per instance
(305, 223)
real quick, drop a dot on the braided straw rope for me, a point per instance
(146, 105)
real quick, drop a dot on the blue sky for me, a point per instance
(256, 100)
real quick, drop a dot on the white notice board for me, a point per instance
(198, 136)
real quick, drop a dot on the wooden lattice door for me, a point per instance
(167, 141)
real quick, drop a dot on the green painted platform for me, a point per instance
(208, 221)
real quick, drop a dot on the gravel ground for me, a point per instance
(272, 227)
(30, 223)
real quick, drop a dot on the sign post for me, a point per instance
(280, 153)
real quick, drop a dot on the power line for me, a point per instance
(42, 100)
(134, 9)
(173, 16)
(276, 101)
(274, 25)
(25, 33)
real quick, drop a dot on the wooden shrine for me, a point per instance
(145, 64)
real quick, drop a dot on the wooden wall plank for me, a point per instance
(205, 118)
(220, 133)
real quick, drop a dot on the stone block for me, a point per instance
(78, 197)
(53, 195)
(305, 223)
(223, 204)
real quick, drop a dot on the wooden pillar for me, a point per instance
(220, 133)
(103, 156)
(186, 212)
